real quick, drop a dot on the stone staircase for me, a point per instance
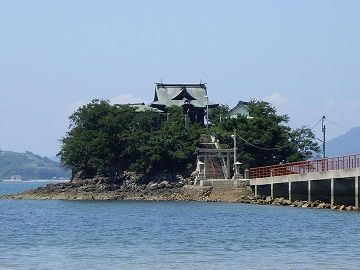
(214, 168)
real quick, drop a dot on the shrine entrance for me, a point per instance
(214, 163)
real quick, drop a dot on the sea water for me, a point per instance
(55, 234)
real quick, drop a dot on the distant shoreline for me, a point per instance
(36, 180)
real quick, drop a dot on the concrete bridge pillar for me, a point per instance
(256, 190)
(272, 190)
(309, 190)
(332, 197)
(357, 191)
(289, 191)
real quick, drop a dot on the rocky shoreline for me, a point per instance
(298, 203)
(102, 189)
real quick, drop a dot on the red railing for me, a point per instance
(318, 165)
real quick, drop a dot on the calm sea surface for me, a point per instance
(172, 235)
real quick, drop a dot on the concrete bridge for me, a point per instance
(332, 180)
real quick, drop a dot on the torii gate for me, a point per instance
(203, 154)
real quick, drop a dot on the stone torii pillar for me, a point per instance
(228, 165)
(201, 167)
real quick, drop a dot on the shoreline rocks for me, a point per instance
(297, 203)
(102, 189)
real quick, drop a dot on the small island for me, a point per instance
(149, 152)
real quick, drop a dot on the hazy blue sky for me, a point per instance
(303, 56)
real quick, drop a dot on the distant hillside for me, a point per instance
(29, 166)
(55, 158)
(349, 143)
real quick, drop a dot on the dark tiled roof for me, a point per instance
(179, 94)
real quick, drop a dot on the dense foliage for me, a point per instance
(217, 114)
(265, 138)
(107, 139)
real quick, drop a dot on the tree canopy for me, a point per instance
(107, 139)
(265, 138)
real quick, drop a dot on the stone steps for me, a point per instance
(213, 168)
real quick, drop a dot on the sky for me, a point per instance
(301, 56)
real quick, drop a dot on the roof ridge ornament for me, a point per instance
(184, 93)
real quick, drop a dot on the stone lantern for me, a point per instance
(237, 174)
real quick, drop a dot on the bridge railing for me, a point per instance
(318, 165)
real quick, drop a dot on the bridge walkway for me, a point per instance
(333, 180)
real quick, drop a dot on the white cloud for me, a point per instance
(73, 106)
(351, 106)
(342, 115)
(125, 99)
(276, 99)
(63, 115)
(345, 113)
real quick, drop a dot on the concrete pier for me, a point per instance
(335, 187)
(224, 183)
(297, 191)
(263, 190)
(357, 191)
(281, 190)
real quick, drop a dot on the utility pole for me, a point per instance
(234, 138)
(324, 133)
(207, 111)
(187, 120)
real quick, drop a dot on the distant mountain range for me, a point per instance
(348, 143)
(27, 166)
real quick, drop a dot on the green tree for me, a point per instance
(108, 139)
(305, 141)
(171, 149)
(266, 139)
(105, 139)
(218, 113)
